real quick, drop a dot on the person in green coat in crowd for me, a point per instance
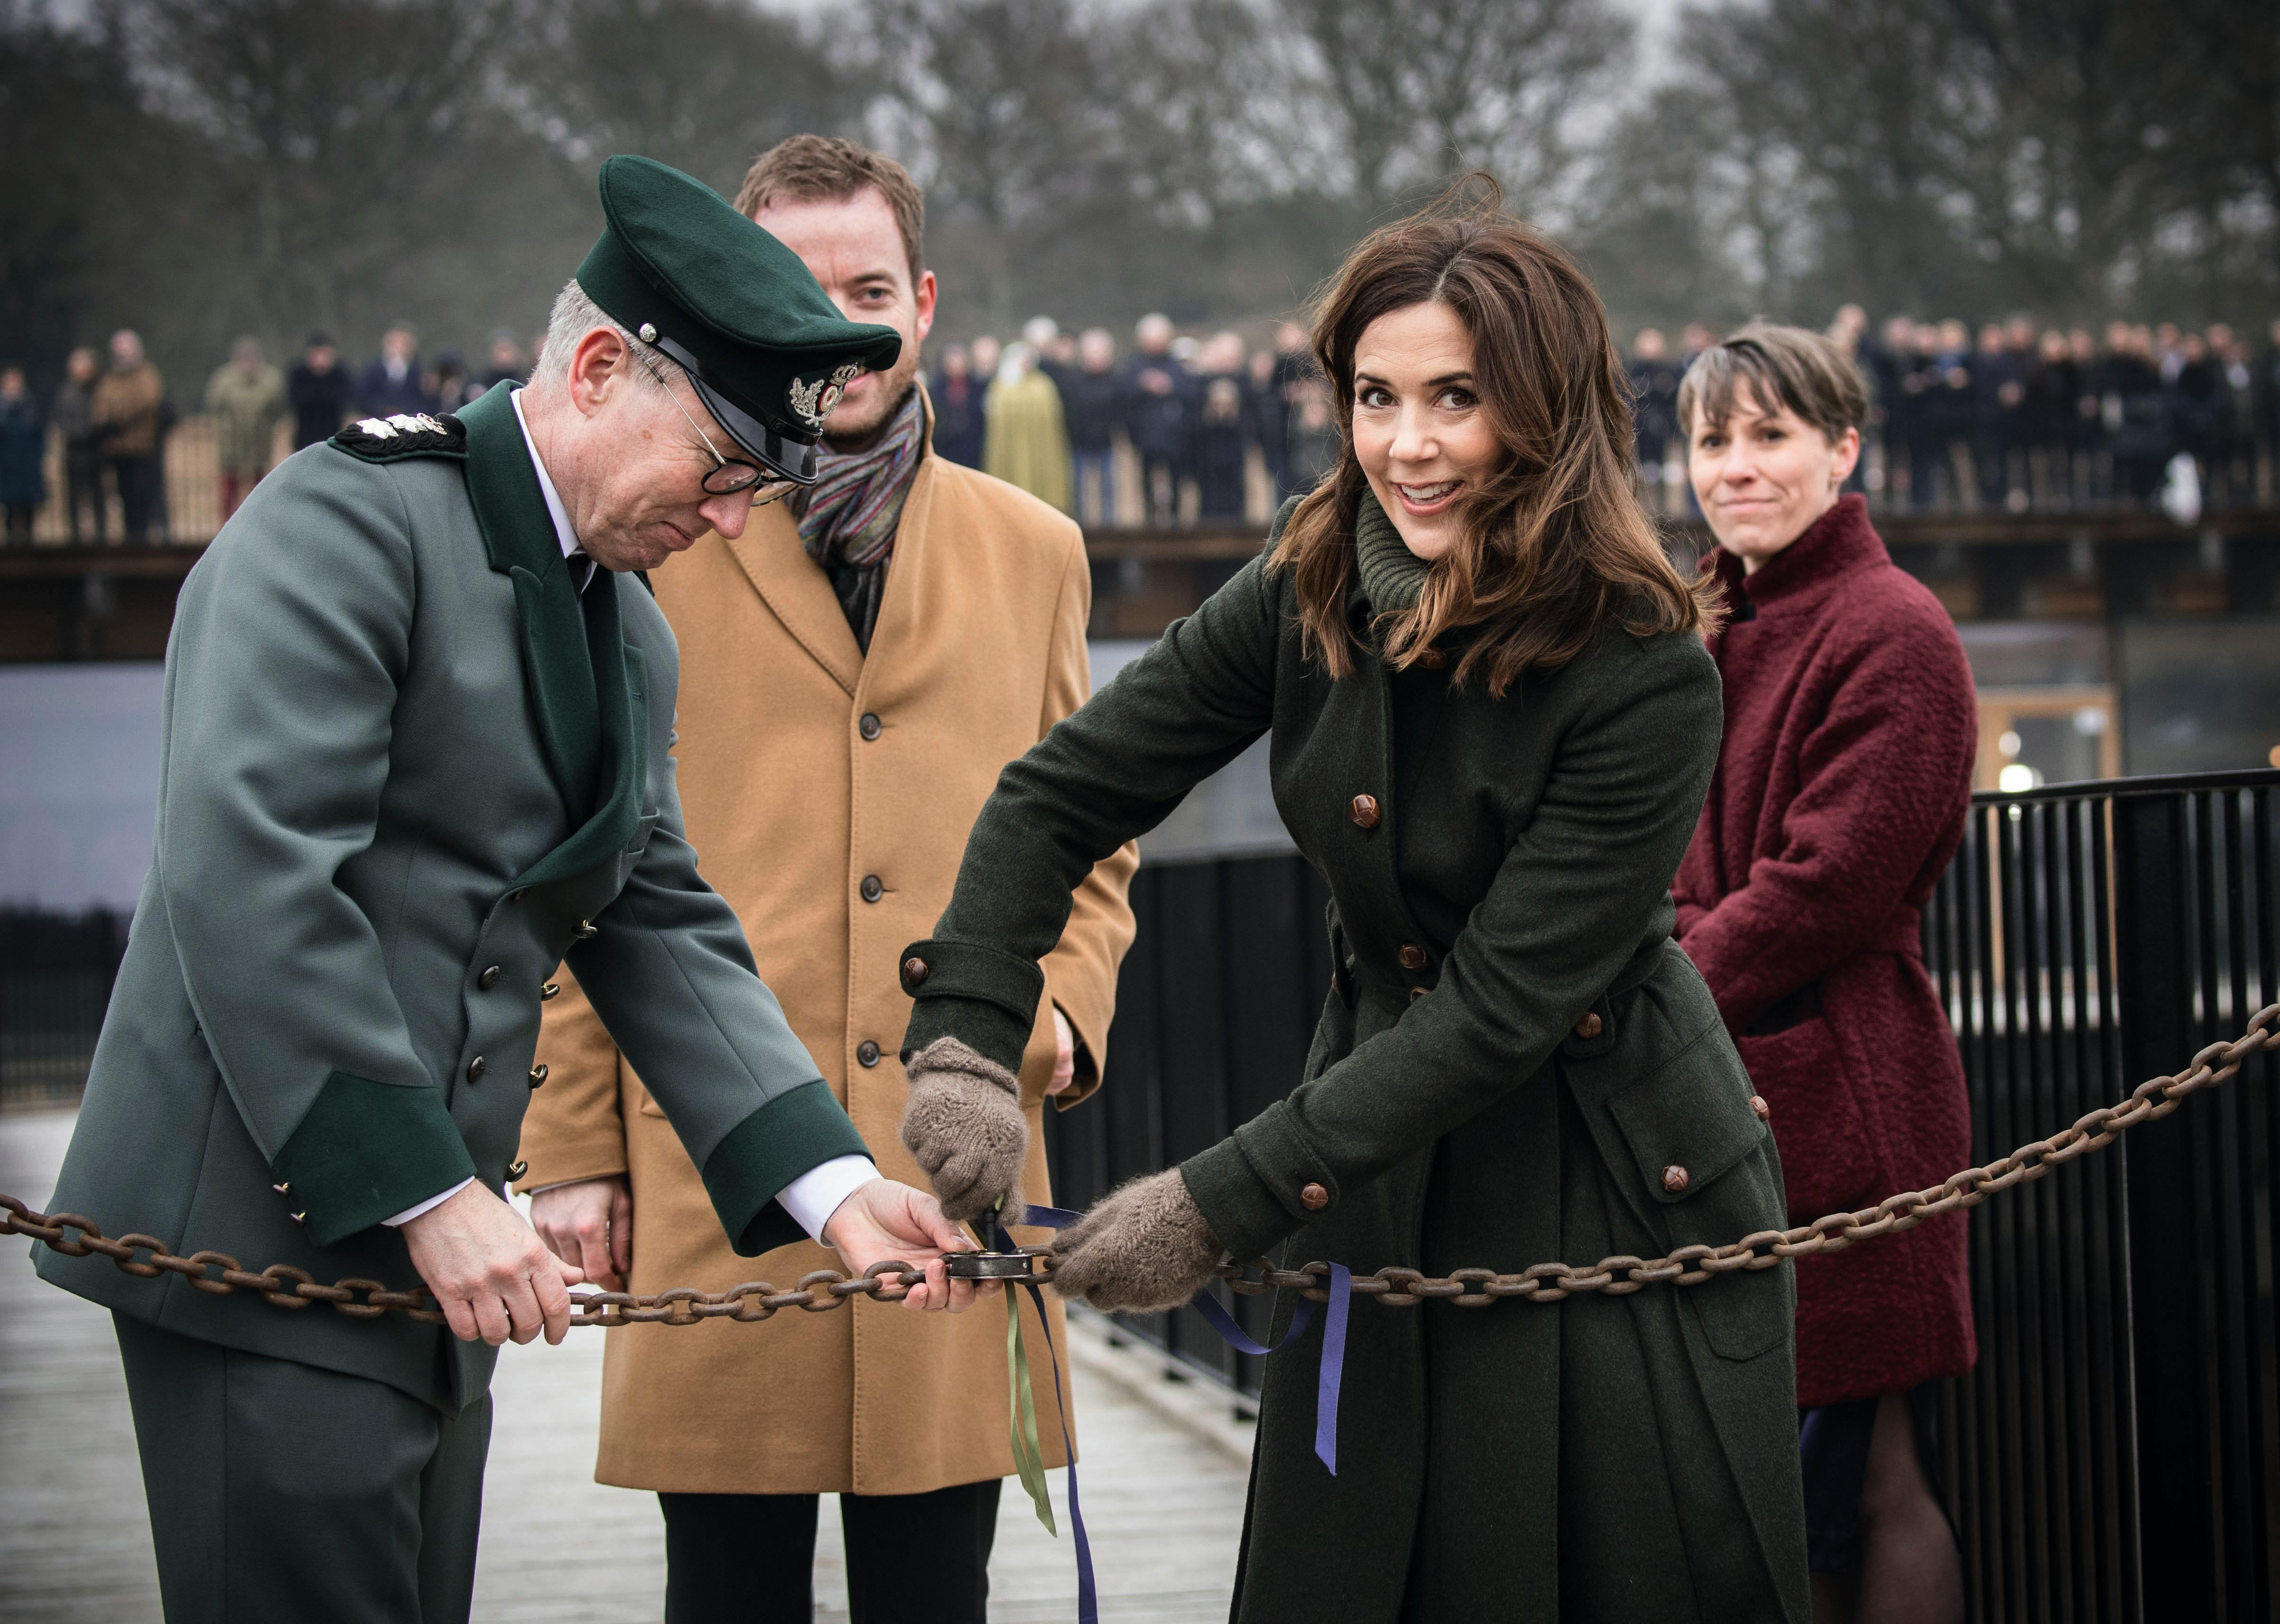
(416, 752)
(1493, 723)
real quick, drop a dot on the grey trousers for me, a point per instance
(280, 1492)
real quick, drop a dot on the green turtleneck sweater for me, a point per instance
(1391, 578)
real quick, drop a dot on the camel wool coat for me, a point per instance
(809, 772)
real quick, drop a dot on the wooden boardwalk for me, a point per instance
(1164, 1503)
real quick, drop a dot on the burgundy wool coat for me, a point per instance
(1840, 796)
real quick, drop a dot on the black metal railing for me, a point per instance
(56, 971)
(2115, 1455)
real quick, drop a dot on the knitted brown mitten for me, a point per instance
(1141, 1248)
(964, 1124)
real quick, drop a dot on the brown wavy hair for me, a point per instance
(1555, 545)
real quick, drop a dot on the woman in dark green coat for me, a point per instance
(1492, 723)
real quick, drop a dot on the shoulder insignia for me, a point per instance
(407, 434)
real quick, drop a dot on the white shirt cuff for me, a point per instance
(409, 1213)
(813, 1196)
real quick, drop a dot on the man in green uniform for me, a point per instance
(418, 712)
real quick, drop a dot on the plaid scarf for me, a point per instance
(847, 517)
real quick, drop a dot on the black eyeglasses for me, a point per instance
(728, 476)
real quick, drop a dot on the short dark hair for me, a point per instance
(831, 169)
(1787, 368)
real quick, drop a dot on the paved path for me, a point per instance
(1164, 1506)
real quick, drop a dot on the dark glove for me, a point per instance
(965, 1125)
(1141, 1248)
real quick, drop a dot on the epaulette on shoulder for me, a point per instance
(407, 434)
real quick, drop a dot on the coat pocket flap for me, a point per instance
(1689, 1124)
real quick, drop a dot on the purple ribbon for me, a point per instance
(1334, 1348)
(1087, 1593)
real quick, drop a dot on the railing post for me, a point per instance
(2179, 1533)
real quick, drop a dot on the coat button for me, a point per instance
(515, 1170)
(1313, 1197)
(914, 971)
(1431, 658)
(1759, 1109)
(866, 1052)
(1364, 812)
(538, 1074)
(299, 1218)
(1412, 956)
(476, 1067)
(488, 979)
(868, 726)
(586, 931)
(285, 1188)
(1416, 993)
(549, 991)
(1675, 1180)
(872, 889)
(1590, 1026)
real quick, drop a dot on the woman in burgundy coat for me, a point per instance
(1840, 795)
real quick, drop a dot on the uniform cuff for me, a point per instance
(429, 1205)
(813, 1197)
(764, 1153)
(984, 998)
(364, 1150)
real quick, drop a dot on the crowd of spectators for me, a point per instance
(2023, 418)
(2016, 417)
(1049, 411)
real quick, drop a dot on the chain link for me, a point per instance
(823, 1290)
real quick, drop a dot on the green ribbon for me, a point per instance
(1029, 1458)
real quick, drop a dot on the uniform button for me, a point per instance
(476, 1067)
(488, 979)
(868, 726)
(914, 971)
(1675, 1180)
(1590, 1026)
(1412, 956)
(872, 889)
(549, 991)
(285, 1188)
(868, 1052)
(299, 1218)
(1759, 1109)
(1364, 812)
(515, 1170)
(538, 1074)
(1313, 1197)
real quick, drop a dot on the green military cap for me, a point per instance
(768, 350)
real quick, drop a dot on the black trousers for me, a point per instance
(909, 1556)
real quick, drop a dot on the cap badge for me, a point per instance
(813, 401)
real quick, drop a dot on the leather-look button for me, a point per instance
(515, 1170)
(488, 979)
(586, 931)
(1431, 657)
(915, 970)
(1675, 1180)
(1364, 812)
(476, 1067)
(1759, 1109)
(867, 1054)
(1416, 993)
(868, 726)
(1313, 1197)
(1411, 956)
(538, 1074)
(552, 989)
(873, 889)
(1590, 1026)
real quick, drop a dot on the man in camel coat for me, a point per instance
(856, 668)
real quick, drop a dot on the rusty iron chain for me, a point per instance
(821, 1290)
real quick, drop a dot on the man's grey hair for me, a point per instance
(574, 316)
